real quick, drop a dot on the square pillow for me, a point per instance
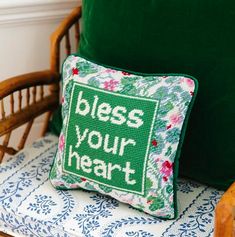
(122, 134)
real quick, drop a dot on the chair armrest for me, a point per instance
(24, 81)
(22, 99)
(225, 214)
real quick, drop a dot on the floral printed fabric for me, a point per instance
(31, 207)
(174, 93)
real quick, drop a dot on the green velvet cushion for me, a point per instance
(192, 37)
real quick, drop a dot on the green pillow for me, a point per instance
(191, 37)
(122, 134)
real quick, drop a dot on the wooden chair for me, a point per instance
(30, 88)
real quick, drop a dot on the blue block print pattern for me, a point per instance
(42, 205)
(30, 206)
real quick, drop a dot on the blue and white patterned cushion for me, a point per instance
(30, 206)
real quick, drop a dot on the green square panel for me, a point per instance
(108, 137)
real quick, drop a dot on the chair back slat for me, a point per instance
(28, 96)
(41, 92)
(67, 44)
(3, 113)
(77, 33)
(12, 101)
(20, 100)
(34, 91)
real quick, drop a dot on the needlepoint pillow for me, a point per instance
(122, 134)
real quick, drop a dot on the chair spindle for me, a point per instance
(67, 43)
(12, 103)
(77, 33)
(34, 94)
(3, 109)
(28, 96)
(20, 100)
(41, 92)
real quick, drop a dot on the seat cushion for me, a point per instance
(30, 206)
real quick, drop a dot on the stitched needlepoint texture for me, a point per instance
(122, 133)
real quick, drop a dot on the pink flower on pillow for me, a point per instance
(110, 70)
(110, 85)
(189, 82)
(73, 186)
(176, 118)
(166, 169)
(61, 143)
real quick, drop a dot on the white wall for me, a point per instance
(25, 29)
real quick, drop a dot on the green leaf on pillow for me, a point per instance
(93, 82)
(161, 93)
(170, 80)
(177, 89)
(68, 179)
(128, 80)
(169, 189)
(173, 135)
(168, 152)
(160, 125)
(90, 187)
(129, 89)
(148, 184)
(185, 96)
(105, 188)
(157, 204)
(174, 97)
(164, 109)
(85, 68)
